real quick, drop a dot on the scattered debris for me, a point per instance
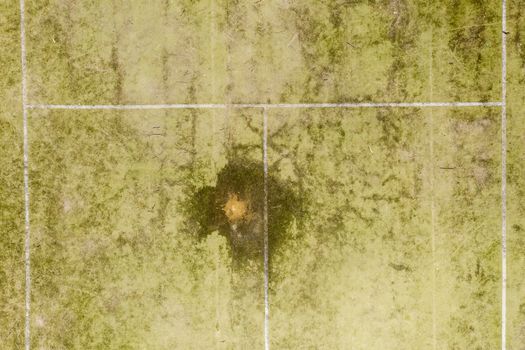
(292, 40)
(400, 267)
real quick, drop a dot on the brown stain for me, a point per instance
(236, 209)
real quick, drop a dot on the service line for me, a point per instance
(27, 240)
(503, 174)
(269, 105)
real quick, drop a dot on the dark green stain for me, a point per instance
(244, 179)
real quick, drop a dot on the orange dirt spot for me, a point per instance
(235, 208)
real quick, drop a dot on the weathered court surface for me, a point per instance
(184, 188)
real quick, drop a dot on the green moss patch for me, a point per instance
(244, 179)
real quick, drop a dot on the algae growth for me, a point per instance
(234, 207)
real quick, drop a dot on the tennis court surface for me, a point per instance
(277, 174)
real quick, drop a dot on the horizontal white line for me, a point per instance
(270, 105)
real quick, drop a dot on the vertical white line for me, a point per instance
(432, 204)
(214, 152)
(503, 175)
(265, 214)
(217, 296)
(27, 260)
(212, 49)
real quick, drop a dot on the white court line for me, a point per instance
(270, 105)
(432, 204)
(27, 256)
(265, 214)
(503, 175)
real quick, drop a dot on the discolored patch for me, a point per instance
(234, 208)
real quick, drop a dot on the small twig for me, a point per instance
(292, 40)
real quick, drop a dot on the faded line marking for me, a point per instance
(217, 296)
(265, 214)
(432, 203)
(503, 174)
(212, 44)
(27, 255)
(270, 105)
